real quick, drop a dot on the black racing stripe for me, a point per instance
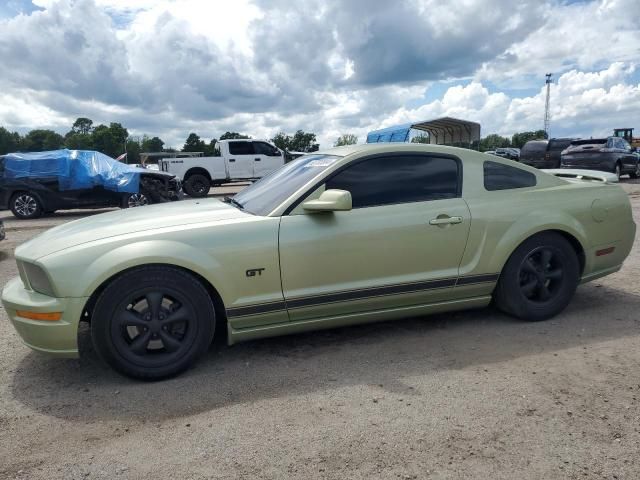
(360, 294)
(256, 309)
(371, 292)
(471, 279)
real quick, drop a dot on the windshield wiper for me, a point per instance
(234, 202)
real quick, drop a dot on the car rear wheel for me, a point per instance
(539, 279)
(636, 172)
(153, 322)
(197, 185)
(25, 205)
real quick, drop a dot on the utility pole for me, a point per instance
(547, 114)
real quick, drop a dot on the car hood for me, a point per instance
(132, 220)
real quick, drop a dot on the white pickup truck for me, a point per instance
(239, 160)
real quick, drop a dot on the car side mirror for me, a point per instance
(330, 201)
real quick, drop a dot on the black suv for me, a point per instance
(30, 197)
(611, 154)
(544, 153)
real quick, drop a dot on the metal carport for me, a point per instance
(442, 131)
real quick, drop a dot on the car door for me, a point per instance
(399, 246)
(267, 158)
(241, 159)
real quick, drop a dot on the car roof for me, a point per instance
(389, 147)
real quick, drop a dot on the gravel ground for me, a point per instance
(468, 395)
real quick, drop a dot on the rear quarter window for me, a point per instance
(504, 177)
(559, 144)
(534, 147)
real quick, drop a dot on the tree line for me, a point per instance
(114, 140)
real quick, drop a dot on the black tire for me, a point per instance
(617, 169)
(131, 326)
(636, 172)
(25, 205)
(539, 279)
(197, 185)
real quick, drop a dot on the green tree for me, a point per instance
(346, 139)
(421, 138)
(232, 136)
(9, 141)
(493, 141)
(194, 144)
(519, 139)
(41, 140)
(151, 145)
(282, 141)
(109, 140)
(78, 141)
(211, 149)
(133, 150)
(304, 142)
(299, 142)
(82, 125)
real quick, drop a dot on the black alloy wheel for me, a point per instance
(197, 185)
(153, 322)
(541, 274)
(539, 278)
(153, 326)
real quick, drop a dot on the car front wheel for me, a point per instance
(132, 200)
(539, 279)
(153, 322)
(618, 171)
(25, 206)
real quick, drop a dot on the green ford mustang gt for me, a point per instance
(349, 235)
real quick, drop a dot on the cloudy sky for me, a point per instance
(169, 67)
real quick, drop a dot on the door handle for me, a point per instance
(232, 159)
(257, 159)
(445, 220)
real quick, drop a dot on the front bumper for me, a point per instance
(58, 338)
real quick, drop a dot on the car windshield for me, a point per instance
(266, 194)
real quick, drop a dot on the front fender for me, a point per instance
(150, 252)
(100, 266)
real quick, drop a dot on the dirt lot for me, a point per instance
(469, 395)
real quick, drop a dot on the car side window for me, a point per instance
(504, 177)
(388, 180)
(263, 148)
(241, 148)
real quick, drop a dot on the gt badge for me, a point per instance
(252, 272)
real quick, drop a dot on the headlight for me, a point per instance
(36, 278)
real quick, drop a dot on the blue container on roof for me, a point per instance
(75, 169)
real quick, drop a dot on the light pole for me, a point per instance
(547, 114)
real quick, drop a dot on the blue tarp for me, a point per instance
(397, 133)
(75, 169)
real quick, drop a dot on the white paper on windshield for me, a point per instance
(325, 162)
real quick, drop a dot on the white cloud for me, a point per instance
(582, 103)
(168, 67)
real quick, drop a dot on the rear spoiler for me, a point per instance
(587, 175)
